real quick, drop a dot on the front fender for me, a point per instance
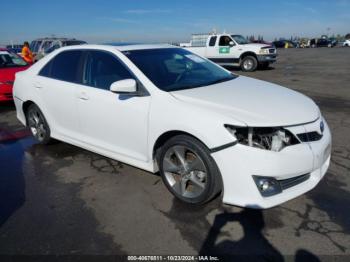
(170, 114)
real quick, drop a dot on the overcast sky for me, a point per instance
(101, 21)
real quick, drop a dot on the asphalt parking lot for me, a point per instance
(60, 199)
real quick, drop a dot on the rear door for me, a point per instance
(57, 85)
(211, 50)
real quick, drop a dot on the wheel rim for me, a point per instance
(37, 125)
(248, 64)
(185, 171)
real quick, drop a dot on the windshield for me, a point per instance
(240, 39)
(172, 69)
(10, 60)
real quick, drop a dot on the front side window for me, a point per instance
(172, 69)
(8, 59)
(102, 69)
(64, 66)
(225, 41)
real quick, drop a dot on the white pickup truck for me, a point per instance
(232, 50)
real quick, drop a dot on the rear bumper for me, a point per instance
(239, 163)
(267, 58)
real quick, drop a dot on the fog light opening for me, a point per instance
(267, 186)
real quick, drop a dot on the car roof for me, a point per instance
(52, 39)
(119, 48)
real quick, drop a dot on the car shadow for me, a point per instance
(252, 246)
(252, 243)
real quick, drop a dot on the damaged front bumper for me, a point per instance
(297, 169)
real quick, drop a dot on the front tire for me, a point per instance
(188, 170)
(38, 124)
(249, 64)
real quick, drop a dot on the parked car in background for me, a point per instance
(284, 44)
(42, 46)
(321, 42)
(261, 42)
(303, 43)
(15, 48)
(60, 43)
(10, 64)
(333, 41)
(163, 108)
(233, 50)
(346, 43)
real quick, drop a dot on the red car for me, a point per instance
(10, 64)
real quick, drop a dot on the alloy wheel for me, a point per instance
(185, 171)
(37, 124)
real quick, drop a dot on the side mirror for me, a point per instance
(126, 86)
(231, 43)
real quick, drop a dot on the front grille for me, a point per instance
(309, 137)
(290, 182)
(272, 51)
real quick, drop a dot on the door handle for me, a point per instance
(38, 85)
(83, 96)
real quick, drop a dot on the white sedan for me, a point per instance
(163, 108)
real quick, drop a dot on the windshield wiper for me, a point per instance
(201, 85)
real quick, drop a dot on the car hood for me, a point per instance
(257, 45)
(253, 102)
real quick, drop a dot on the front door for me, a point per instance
(225, 51)
(112, 122)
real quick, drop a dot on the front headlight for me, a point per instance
(264, 51)
(268, 138)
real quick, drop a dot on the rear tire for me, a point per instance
(249, 64)
(38, 125)
(188, 170)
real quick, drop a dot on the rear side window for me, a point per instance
(212, 41)
(65, 66)
(102, 69)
